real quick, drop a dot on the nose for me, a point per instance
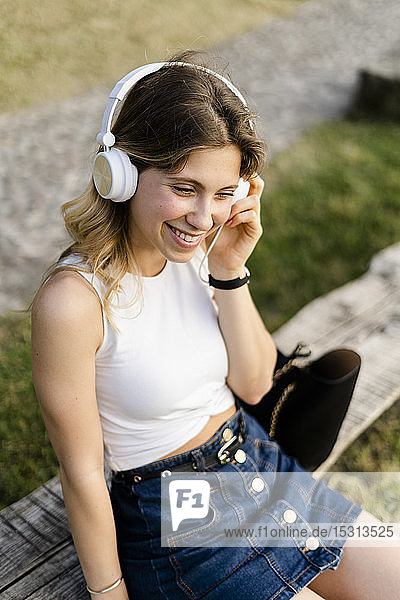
(200, 216)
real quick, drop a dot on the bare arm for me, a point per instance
(251, 349)
(66, 331)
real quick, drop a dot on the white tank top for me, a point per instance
(160, 379)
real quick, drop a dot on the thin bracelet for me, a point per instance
(112, 587)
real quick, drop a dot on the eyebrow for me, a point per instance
(195, 182)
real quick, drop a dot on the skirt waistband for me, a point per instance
(218, 450)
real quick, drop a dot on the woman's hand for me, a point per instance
(250, 347)
(239, 235)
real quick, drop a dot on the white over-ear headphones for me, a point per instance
(114, 175)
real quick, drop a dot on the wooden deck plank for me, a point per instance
(32, 530)
(58, 578)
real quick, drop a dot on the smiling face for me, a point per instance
(172, 213)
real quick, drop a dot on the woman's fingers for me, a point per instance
(249, 203)
(256, 185)
(246, 217)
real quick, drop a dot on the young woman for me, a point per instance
(136, 358)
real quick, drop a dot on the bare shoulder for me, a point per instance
(66, 332)
(68, 302)
(65, 290)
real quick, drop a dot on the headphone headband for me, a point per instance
(114, 175)
(123, 86)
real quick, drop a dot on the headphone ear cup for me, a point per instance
(114, 176)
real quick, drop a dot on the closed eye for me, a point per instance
(186, 191)
(226, 194)
(181, 190)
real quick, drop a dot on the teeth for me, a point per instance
(184, 236)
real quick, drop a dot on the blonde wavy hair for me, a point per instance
(166, 116)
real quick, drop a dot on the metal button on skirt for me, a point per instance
(178, 566)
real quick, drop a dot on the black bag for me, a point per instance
(305, 408)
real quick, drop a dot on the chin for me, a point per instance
(182, 259)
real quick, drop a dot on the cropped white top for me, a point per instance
(160, 379)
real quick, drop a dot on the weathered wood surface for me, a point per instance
(363, 315)
(37, 557)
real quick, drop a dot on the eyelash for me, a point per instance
(182, 190)
(187, 191)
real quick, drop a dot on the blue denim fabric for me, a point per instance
(153, 571)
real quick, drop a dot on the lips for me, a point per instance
(184, 239)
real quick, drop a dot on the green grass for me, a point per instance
(377, 493)
(331, 202)
(50, 50)
(27, 459)
(379, 446)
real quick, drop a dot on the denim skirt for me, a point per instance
(155, 570)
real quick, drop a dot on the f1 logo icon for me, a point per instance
(189, 499)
